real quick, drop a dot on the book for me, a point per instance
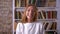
(15, 14)
(54, 14)
(17, 3)
(23, 3)
(49, 14)
(49, 26)
(33, 2)
(45, 25)
(46, 3)
(43, 13)
(50, 32)
(39, 15)
(52, 3)
(46, 15)
(54, 26)
(40, 3)
(29, 1)
(18, 15)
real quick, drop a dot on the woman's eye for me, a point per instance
(27, 10)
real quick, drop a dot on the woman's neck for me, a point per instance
(29, 20)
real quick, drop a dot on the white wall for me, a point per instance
(58, 15)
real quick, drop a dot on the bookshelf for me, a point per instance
(46, 13)
(50, 27)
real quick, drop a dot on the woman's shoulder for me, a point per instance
(38, 21)
(19, 23)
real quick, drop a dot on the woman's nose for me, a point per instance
(30, 11)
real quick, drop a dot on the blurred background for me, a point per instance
(6, 16)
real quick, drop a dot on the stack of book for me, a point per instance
(47, 15)
(50, 25)
(38, 3)
(52, 3)
(41, 15)
(18, 15)
(50, 32)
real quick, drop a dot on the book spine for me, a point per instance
(16, 3)
(45, 25)
(28, 2)
(52, 3)
(19, 15)
(54, 26)
(38, 3)
(54, 14)
(23, 3)
(33, 2)
(49, 26)
(46, 15)
(15, 15)
(19, 3)
(39, 15)
(49, 14)
(43, 14)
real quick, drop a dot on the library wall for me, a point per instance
(6, 16)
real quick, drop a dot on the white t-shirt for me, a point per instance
(29, 28)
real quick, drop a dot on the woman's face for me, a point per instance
(30, 12)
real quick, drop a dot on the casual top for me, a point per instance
(29, 28)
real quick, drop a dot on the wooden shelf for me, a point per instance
(42, 19)
(17, 19)
(39, 8)
(50, 30)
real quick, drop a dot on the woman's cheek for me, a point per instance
(27, 15)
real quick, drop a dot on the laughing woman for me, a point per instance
(29, 23)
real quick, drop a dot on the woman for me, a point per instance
(29, 24)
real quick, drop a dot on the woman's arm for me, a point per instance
(41, 28)
(18, 29)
